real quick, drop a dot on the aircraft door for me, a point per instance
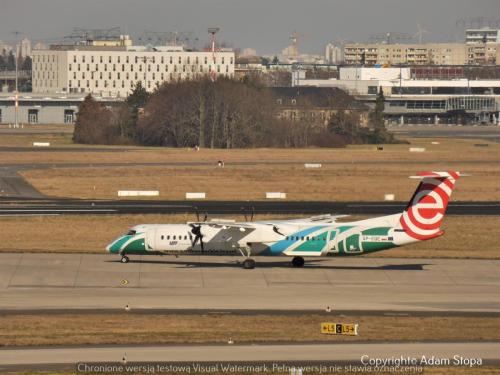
(150, 242)
(332, 242)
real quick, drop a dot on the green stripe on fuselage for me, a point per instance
(117, 245)
(136, 246)
(379, 231)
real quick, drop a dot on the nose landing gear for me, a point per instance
(124, 259)
(298, 262)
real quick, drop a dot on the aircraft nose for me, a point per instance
(115, 246)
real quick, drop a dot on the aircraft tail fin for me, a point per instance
(424, 213)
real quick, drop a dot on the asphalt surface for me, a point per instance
(22, 206)
(339, 354)
(92, 281)
(12, 184)
(491, 133)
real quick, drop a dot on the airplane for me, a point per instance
(318, 236)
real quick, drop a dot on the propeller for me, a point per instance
(198, 215)
(196, 230)
(251, 213)
(276, 230)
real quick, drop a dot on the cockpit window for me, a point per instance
(131, 232)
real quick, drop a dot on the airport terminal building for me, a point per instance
(414, 97)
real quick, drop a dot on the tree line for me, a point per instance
(8, 61)
(224, 113)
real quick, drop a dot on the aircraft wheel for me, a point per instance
(249, 264)
(298, 262)
(125, 259)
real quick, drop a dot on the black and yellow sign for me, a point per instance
(339, 329)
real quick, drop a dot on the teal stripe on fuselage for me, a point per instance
(279, 247)
(117, 245)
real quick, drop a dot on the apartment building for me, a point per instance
(421, 54)
(114, 70)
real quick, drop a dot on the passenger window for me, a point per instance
(307, 238)
(162, 236)
(168, 237)
(302, 238)
(174, 237)
(185, 237)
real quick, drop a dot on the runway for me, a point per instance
(87, 281)
(47, 206)
(490, 133)
(184, 356)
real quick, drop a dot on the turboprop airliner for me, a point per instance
(319, 236)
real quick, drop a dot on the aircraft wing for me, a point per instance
(222, 224)
(313, 219)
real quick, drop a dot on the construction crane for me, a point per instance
(390, 37)
(88, 35)
(173, 38)
(478, 22)
(420, 33)
(293, 49)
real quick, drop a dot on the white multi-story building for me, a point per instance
(24, 48)
(333, 54)
(482, 35)
(113, 71)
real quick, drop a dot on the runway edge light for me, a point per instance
(339, 329)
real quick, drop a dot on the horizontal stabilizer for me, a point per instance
(431, 174)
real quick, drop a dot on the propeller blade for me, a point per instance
(196, 230)
(201, 244)
(276, 230)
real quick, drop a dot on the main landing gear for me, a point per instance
(249, 264)
(124, 259)
(298, 262)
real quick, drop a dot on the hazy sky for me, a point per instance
(261, 24)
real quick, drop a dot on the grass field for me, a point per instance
(447, 151)
(60, 135)
(345, 182)
(465, 236)
(357, 172)
(95, 329)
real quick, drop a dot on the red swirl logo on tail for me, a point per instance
(424, 214)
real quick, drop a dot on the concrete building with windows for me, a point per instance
(411, 100)
(316, 105)
(45, 108)
(422, 54)
(484, 35)
(112, 71)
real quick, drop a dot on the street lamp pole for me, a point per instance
(16, 96)
(16, 91)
